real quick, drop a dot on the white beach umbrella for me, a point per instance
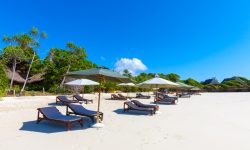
(157, 82)
(127, 85)
(82, 82)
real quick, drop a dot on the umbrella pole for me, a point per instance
(99, 100)
(98, 123)
(98, 107)
(83, 92)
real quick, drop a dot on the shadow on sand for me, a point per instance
(54, 104)
(52, 127)
(131, 112)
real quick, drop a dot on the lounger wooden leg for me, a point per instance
(102, 117)
(81, 122)
(68, 124)
(124, 107)
(38, 118)
(67, 110)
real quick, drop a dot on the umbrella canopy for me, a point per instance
(126, 84)
(97, 74)
(157, 82)
(82, 82)
(195, 89)
(100, 75)
(183, 85)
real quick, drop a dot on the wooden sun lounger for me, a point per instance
(122, 96)
(64, 100)
(139, 104)
(78, 109)
(166, 100)
(53, 114)
(184, 95)
(115, 97)
(139, 95)
(130, 106)
(170, 97)
(79, 98)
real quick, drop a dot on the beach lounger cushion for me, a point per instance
(64, 100)
(79, 98)
(116, 97)
(139, 95)
(130, 106)
(138, 103)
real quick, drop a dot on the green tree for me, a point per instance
(12, 55)
(60, 61)
(31, 42)
(127, 73)
(74, 53)
(142, 77)
(173, 77)
(193, 82)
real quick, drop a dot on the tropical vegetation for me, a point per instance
(21, 69)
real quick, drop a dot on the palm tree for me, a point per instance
(31, 40)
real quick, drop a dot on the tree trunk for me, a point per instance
(13, 73)
(64, 77)
(27, 76)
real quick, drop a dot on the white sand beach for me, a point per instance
(212, 121)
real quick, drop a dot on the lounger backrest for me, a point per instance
(130, 104)
(136, 102)
(121, 95)
(78, 97)
(63, 98)
(76, 107)
(115, 96)
(50, 112)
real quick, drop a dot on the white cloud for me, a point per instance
(132, 65)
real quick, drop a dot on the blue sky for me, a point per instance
(198, 39)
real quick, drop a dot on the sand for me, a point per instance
(212, 121)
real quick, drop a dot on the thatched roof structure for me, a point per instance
(19, 79)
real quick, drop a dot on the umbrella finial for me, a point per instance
(156, 75)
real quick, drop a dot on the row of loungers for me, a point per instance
(137, 105)
(76, 99)
(73, 107)
(122, 97)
